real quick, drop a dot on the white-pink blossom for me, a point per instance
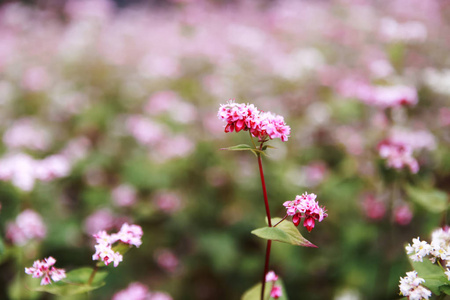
(44, 268)
(410, 286)
(305, 206)
(129, 234)
(134, 291)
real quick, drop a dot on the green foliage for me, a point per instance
(76, 282)
(433, 200)
(254, 293)
(435, 279)
(244, 147)
(285, 232)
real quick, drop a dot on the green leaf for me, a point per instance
(76, 282)
(285, 232)
(241, 147)
(445, 289)
(433, 274)
(432, 200)
(254, 293)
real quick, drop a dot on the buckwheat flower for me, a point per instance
(276, 292)
(106, 254)
(305, 206)
(447, 272)
(410, 286)
(419, 249)
(271, 276)
(44, 268)
(103, 238)
(129, 234)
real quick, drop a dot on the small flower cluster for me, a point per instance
(398, 155)
(276, 291)
(138, 291)
(438, 250)
(410, 286)
(263, 125)
(44, 268)
(305, 206)
(128, 234)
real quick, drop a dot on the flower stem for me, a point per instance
(91, 278)
(269, 221)
(281, 221)
(263, 183)
(266, 267)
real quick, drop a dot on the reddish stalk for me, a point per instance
(269, 221)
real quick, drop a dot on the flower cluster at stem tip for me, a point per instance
(305, 206)
(44, 268)
(128, 234)
(263, 125)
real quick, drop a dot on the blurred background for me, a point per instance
(108, 114)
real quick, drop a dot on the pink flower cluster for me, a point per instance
(22, 170)
(276, 291)
(263, 125)
(398, 155)
(379, 96)
(28, 226)
(44, 268)
(138, 291)
(305, 206)
(128, 234)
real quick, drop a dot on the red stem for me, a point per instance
(263, 183)
(269, 221)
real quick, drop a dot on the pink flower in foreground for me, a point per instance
(398, 155)
(247, 117)
(106, 254)
(28, 225)
(410, 286)
(276, 292)
(305, 206)
(44, 268)
(129, 234)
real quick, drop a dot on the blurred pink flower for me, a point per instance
(374, 208)
(167, 201)
(145, 131)
(134, 291)
(124, 195)
(271, 276)
(26, 133)
(398, 155)
(51, 167)
(45, 269)
(167, 260)
(101, 219)
(160, 296)
(20, 169)
(27, 226)
(36, 79)
(444, 116)
(276, 292)
(403, 214)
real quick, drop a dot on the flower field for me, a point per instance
(115, 121)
